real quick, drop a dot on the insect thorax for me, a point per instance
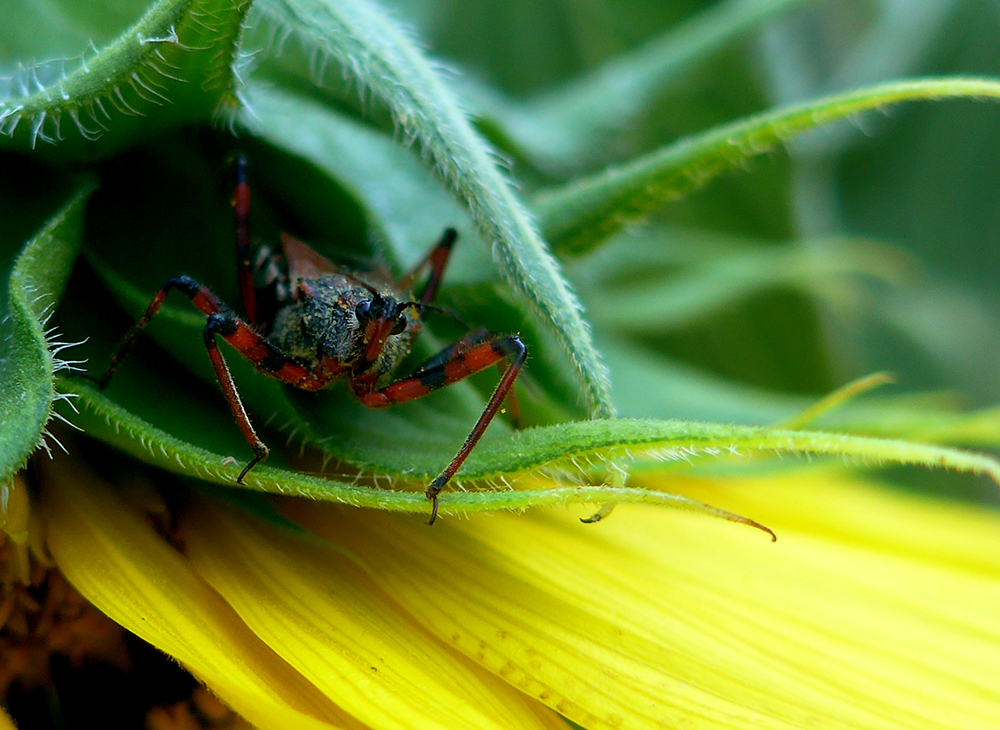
(325, 324)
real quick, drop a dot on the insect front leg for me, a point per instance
(472, 339)
(439, 373)
(226, 324)
(264, 356)
(221, 321)
(476, 337)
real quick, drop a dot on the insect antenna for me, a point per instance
(421, 307)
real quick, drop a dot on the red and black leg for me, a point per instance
(207, 302)
(241, 211)
(437, 260)
(476, 337)
(223, 324)
(454, 363)
(222, 321)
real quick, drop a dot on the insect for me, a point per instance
(321, 323)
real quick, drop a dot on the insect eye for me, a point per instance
(363, 310)
(399, 326)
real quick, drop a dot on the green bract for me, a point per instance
(174, 66)
(30, 348)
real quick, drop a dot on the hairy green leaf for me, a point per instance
(174, 66)
(408, 207)
(577, 217)
(567, 448)
(28, 353)
(912, 419)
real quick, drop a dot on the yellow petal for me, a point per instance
(660, 619)
(822, 501)
(320, 611)
(114, 558)
(5, 722)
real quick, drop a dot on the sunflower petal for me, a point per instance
(662, 619)
(115, 559)
(318, 609)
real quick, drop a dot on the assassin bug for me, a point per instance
(327, 323)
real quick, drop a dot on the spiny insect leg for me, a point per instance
(476, 337)
(266, 357)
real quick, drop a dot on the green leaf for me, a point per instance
(929, 418)
(577, 217)
(385, 61)
(28, 353)
(407, 206)
(174, 66)
(562, 448)
(649, 385)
